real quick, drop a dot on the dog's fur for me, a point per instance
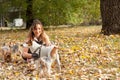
(43, 64)
(6, 53)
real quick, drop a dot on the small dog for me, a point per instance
(7, 49)
(48, 55)
(6, 52)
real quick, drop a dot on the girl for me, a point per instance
(38, 35)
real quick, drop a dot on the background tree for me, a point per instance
(110, 13)
(50, 12)
(53, 12)
(4, 6)
(18, 6)
(29, 13)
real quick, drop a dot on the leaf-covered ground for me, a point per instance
(84, 54)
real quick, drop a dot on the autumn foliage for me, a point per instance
(84, 54)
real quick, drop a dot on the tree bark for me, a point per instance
(29, 14)
(110, 14)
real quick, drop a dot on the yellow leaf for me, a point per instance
(70, 71)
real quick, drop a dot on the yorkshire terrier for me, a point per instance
(6, 52)
(7, 49)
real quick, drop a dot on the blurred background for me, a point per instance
(16, 13)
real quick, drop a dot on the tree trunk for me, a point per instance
(110, 13)
(29, 14)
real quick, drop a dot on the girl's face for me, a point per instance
(37, 30)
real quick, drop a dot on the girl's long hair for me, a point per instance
(31, 34)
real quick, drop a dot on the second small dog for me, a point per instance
(8, 49)
(6, 53)
(48, 55)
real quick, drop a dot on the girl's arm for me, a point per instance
(46, 39)
(25, 53)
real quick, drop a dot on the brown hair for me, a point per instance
(31, 34)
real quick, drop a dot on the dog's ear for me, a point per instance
(53, 52)
(3, 44)
(21, 45)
